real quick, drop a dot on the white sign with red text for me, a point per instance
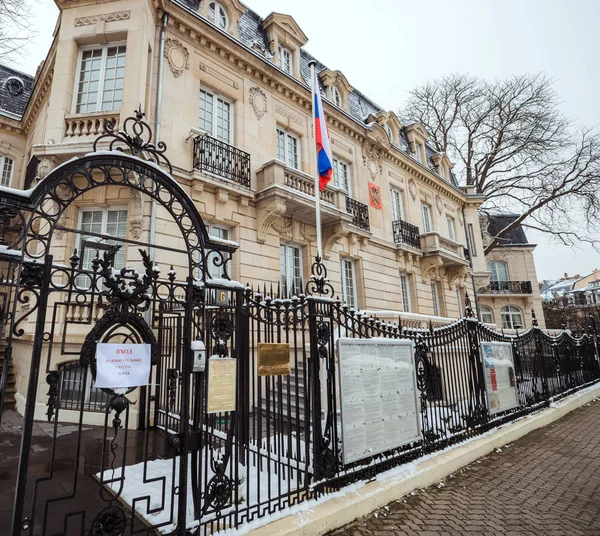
(122, 365)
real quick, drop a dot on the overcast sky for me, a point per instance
(386, 47)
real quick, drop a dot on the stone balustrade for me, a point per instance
(91, 124)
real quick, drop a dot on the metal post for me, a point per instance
(315, 88)
(18, 523)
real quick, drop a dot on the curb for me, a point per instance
(319, 517)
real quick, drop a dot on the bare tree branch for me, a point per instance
(510, 141)
(15, 28)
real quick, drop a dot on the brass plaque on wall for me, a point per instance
(273, 359)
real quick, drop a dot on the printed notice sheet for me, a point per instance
(499, 373)
(221, 384)
(122, 365)
(378, 388)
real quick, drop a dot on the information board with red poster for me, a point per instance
(500, 378)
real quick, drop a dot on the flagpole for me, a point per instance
(315, 88)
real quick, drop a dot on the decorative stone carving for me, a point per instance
(219, 75)
(258, 100)
(266, 216)
(288, 115)
(431, 269)
(305, 235)
(333, 236)
(108, 17)
(44, 167)
(439, 203)
(372, 160)
(135, 214)
(284, 230)
(177, 56)
(412, 188)
(457, 277)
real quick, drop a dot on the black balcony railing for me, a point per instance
(406, 233)
(360, 213)
(506, 287)
(221, 159)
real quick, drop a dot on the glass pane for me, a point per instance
(206, 111)
(280, 145)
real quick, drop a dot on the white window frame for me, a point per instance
(105, 211)
(216, 97)
(286, 137)
(286, 66)
(336, 96)
(507, 314)
(211, 268)
(426, 215)
(405, 293)
(417, 152)
(388, 131)
(351, 298)
(337, 164)
(215, 21)
(486, 310)
(104, 48)
(451, 227)
(459, 300)
(397, 196)
(492, 268)
(6, 161)
(435, 298)
(289, 278)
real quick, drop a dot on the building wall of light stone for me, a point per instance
(521, 267)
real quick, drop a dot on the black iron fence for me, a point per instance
(406, 233)
(222, 159)
(359, 212)
(506, 287)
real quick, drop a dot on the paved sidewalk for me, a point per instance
(547, 483)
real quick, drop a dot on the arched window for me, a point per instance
(218, 15)
(487, 315)
(77, 391)
(512, 318)
(498, 271)
(337, 97)
(389, 133)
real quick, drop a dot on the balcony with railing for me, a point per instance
(359, 212)
(506, 287)
(452, 253)
(407, 234)
(221, 159)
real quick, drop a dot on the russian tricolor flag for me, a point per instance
(324, 158)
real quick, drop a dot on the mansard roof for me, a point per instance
(515, 237)
(15, 90)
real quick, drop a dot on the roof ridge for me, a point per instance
(9, 68)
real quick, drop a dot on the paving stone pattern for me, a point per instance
(547, 483)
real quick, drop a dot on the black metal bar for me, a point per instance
(221, 159)
(359, 212)
(29, 413)
(31, 172)
(406, 233)
(506, 287)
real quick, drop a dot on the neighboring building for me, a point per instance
(513, 290)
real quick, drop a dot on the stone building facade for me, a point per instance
(230, 96)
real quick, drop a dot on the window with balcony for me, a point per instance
(99, 80)
(348, 270)
(341, 175)
(487, 315)
(427, 222)
(218, 15)
(512, 318)
(290, 257)
(284, 59)
(451, 229)
(6, 170)
(498, 271)
(397, 205)
(288, 148)
(216, 116)
(106, 221)
(405, 291)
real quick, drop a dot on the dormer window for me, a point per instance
(417, 152)
(389, 133)
(337, 97)
(285, 59)
(218, 15)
